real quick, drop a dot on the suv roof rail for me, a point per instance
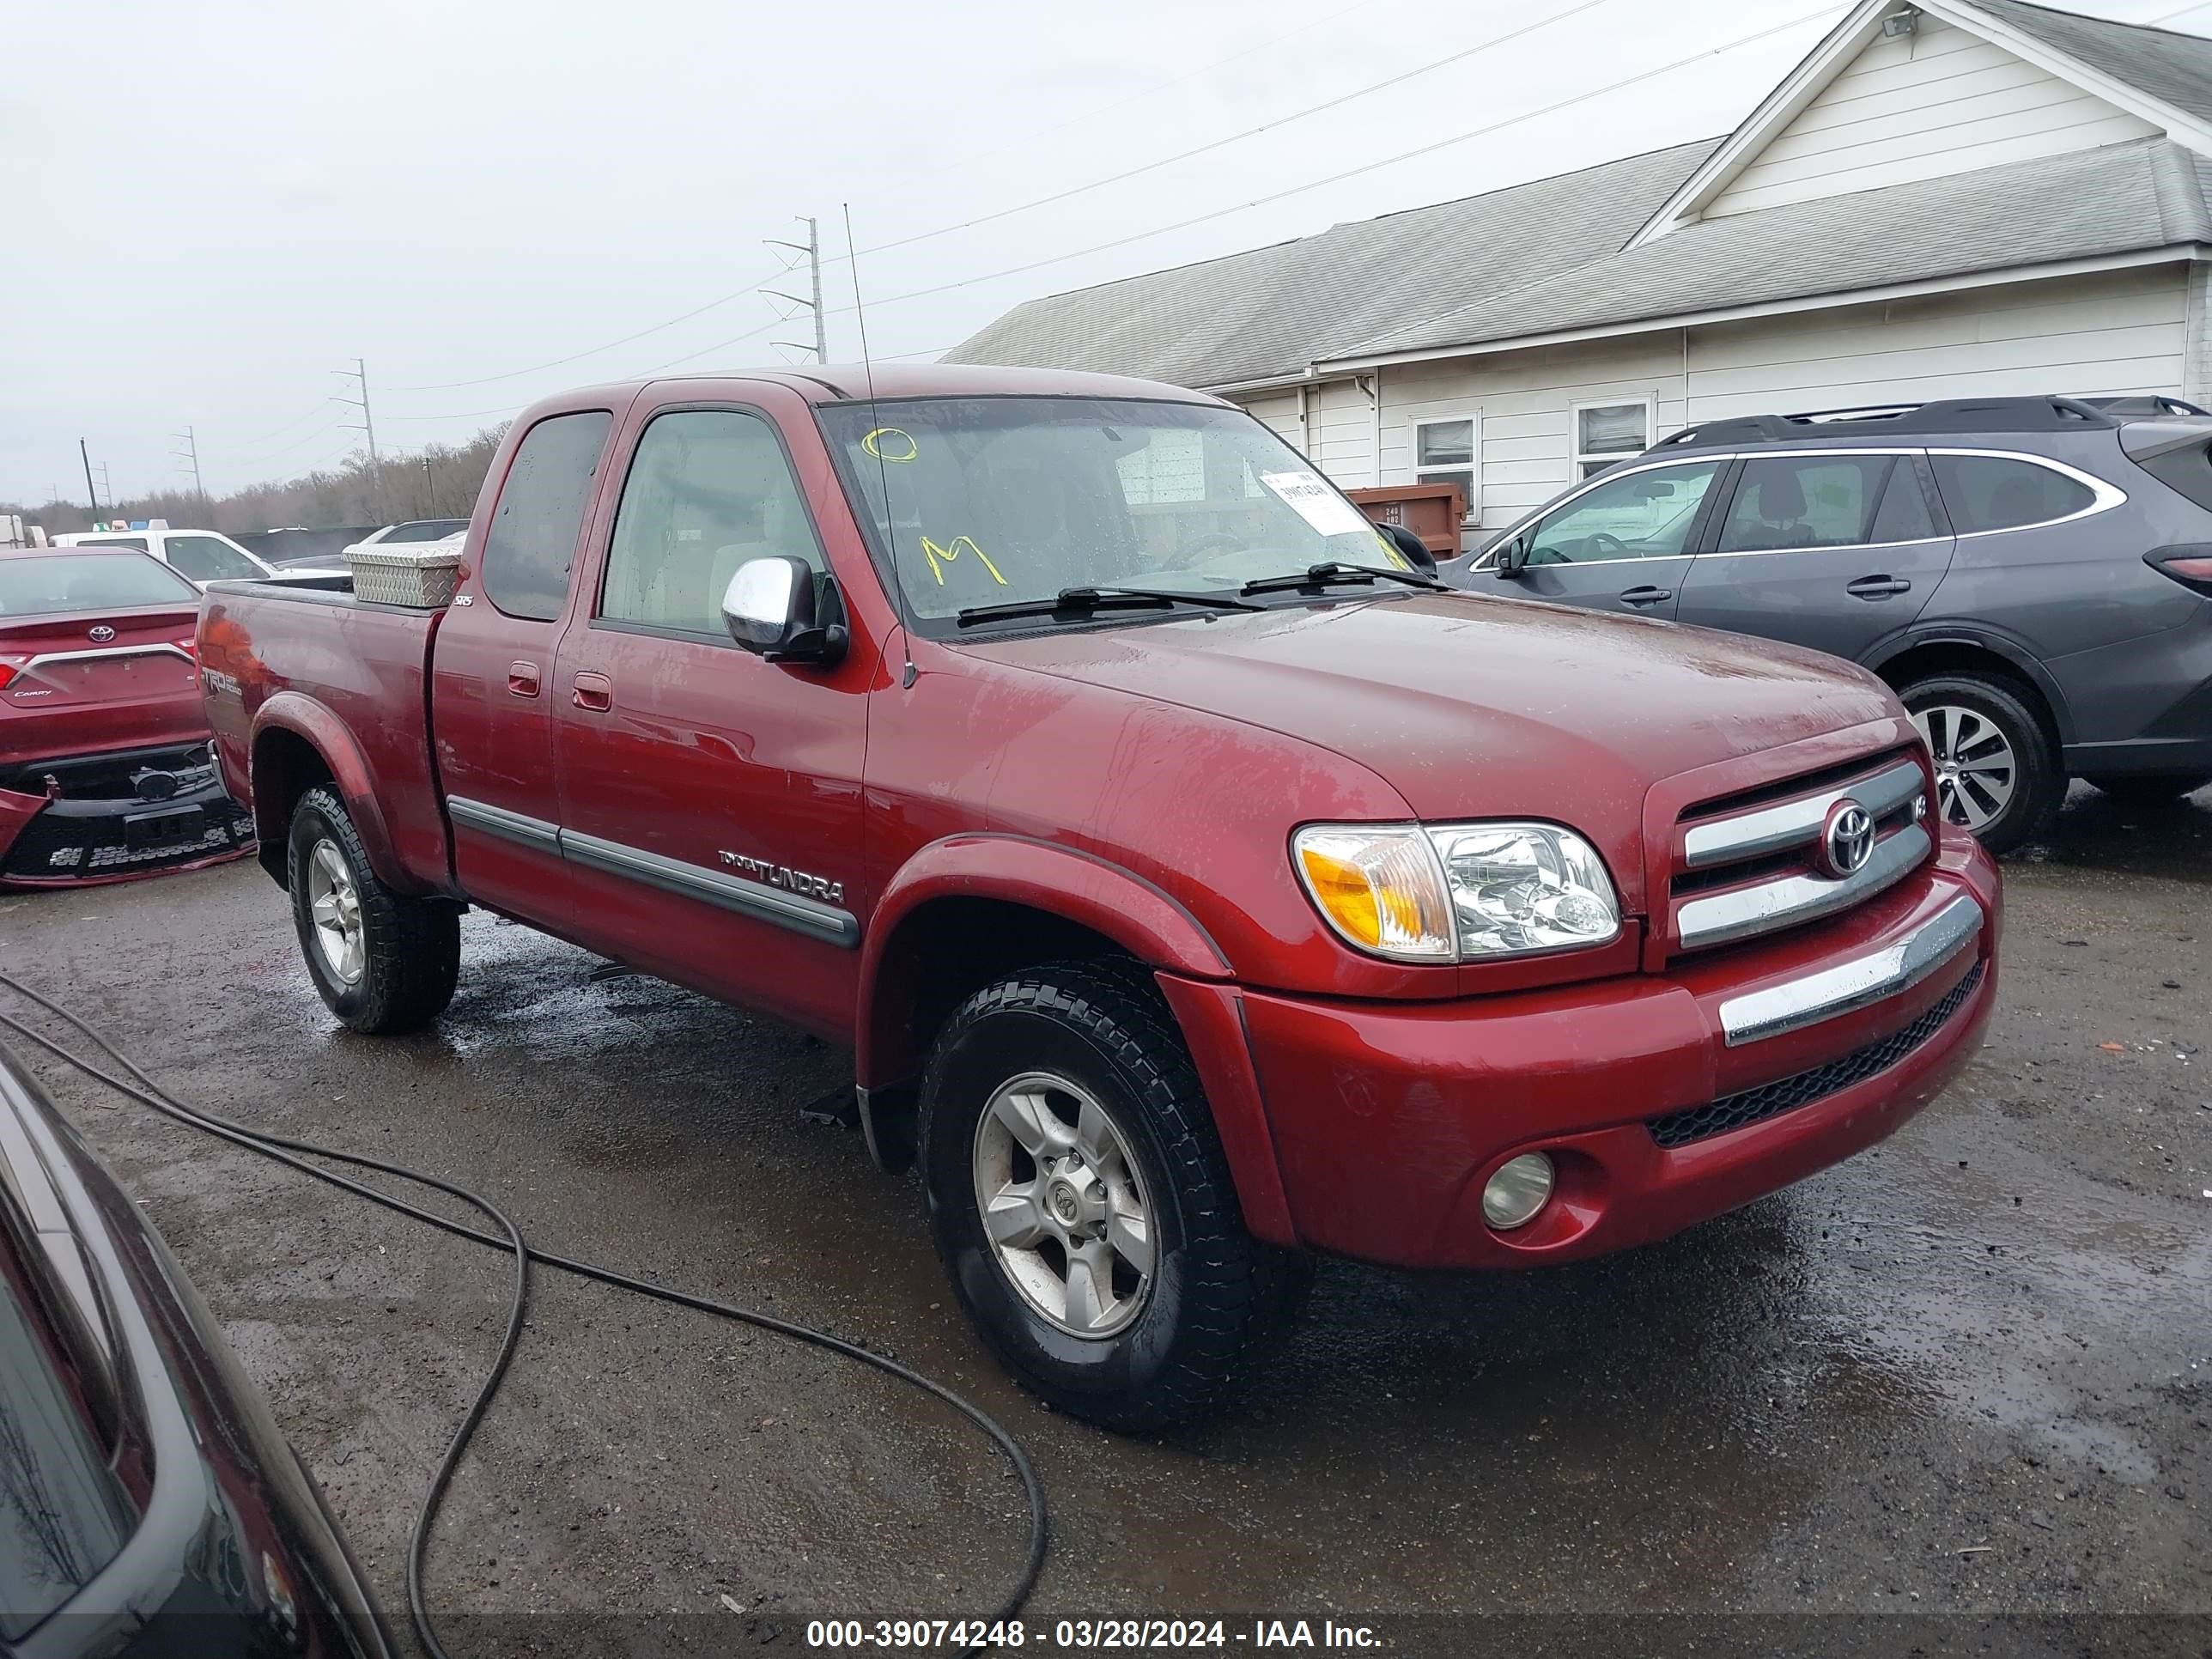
(2147, 403)
(1944, 415)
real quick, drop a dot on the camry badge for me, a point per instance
(101, 635)
(1846, 839)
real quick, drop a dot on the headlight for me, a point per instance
(1457, 892)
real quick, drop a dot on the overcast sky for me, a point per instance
(213, 205)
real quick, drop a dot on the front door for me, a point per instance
(1838, 550)
(711, 801)
(1623, 544)
(492, 686)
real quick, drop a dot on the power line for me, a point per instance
(1243, 207)
(814, 253)
(1238, 138)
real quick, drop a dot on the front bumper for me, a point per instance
(84, 840)
(1384, 1121)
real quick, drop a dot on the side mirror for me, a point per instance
(1512, 559)
(769, 610)
(1415, 550)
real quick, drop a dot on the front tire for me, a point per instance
(1082, 1204)
(384, 963)
(1995, 773)
(2152, 788)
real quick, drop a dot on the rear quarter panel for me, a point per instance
(349, 680)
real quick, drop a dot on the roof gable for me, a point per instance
(1974, 83)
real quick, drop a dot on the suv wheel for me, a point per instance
(2152, 788)
(1082, 1204)
(1994, 772)
(384, 963)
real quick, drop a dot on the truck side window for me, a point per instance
(532, 542)
(708, 489)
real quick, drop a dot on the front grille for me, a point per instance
(1747, 865)
(59, 847)
(1749, 1106)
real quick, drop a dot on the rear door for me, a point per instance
(492, 671)
(1624, 543)
(1833, 548)
(710, 800)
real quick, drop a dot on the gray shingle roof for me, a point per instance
(1270, 312)
(2146, 193)
(2174, 69)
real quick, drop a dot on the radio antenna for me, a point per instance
(883, 472)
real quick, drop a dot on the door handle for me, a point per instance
(595, 692)
(522, 679)
(1647, 595)
(1878, 588)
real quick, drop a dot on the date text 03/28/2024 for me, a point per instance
(1085, 1634)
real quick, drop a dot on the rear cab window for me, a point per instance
(530, 547)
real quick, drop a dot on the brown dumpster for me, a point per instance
(1430, 511)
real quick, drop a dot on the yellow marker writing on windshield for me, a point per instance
(1390, 552)
(888, 443)
(941, 555)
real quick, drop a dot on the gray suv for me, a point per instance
(2033, 575)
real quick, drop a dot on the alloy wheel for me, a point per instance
(335, 904)
(1977, 772)
(1063, 1206)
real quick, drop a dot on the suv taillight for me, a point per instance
(2189, 565)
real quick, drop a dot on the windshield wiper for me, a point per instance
(1082, 601)
(1335, 570)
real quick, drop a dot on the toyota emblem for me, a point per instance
(1846, 839)
(101, 635)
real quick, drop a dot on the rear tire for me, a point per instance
(1071, 1082)
(384, 963)
(1997, 773)
(2152, 788)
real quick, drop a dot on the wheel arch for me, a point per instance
(972, 909)
(298, 745)
(1954, 651)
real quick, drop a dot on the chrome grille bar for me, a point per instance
(1743, 912)
(1796, 823)
(1855, 984)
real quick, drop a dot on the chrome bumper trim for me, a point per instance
(1747, 912)
(1796, 823)
(1854, 985)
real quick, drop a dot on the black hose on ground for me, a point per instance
(295, 1154)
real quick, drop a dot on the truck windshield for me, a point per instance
(36, 585)
(986, 500)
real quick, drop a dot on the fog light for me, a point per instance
(1517, 1191)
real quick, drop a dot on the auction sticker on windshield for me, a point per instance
(1317, 503)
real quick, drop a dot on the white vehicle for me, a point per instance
(414, 530)
(200, 557)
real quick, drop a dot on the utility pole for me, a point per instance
(85, 455)
(812, 249)
(106, 488)
(359, 374)
(429, 489)
(188, 458)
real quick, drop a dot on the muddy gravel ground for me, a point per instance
(1954, 1395)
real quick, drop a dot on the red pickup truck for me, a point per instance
(1200, 885)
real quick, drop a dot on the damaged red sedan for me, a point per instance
(105, 769)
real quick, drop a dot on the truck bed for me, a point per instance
(307, 657)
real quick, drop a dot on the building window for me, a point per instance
(1444, 452)
(1608, 433)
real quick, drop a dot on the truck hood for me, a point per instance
(1470, 705)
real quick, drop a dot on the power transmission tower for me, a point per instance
(812, 249)
(85, 455)
(188, 458)
(106, 488)
(359, 374)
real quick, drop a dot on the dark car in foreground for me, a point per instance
(2033, 576)
(149, 1505)
(105, 769)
